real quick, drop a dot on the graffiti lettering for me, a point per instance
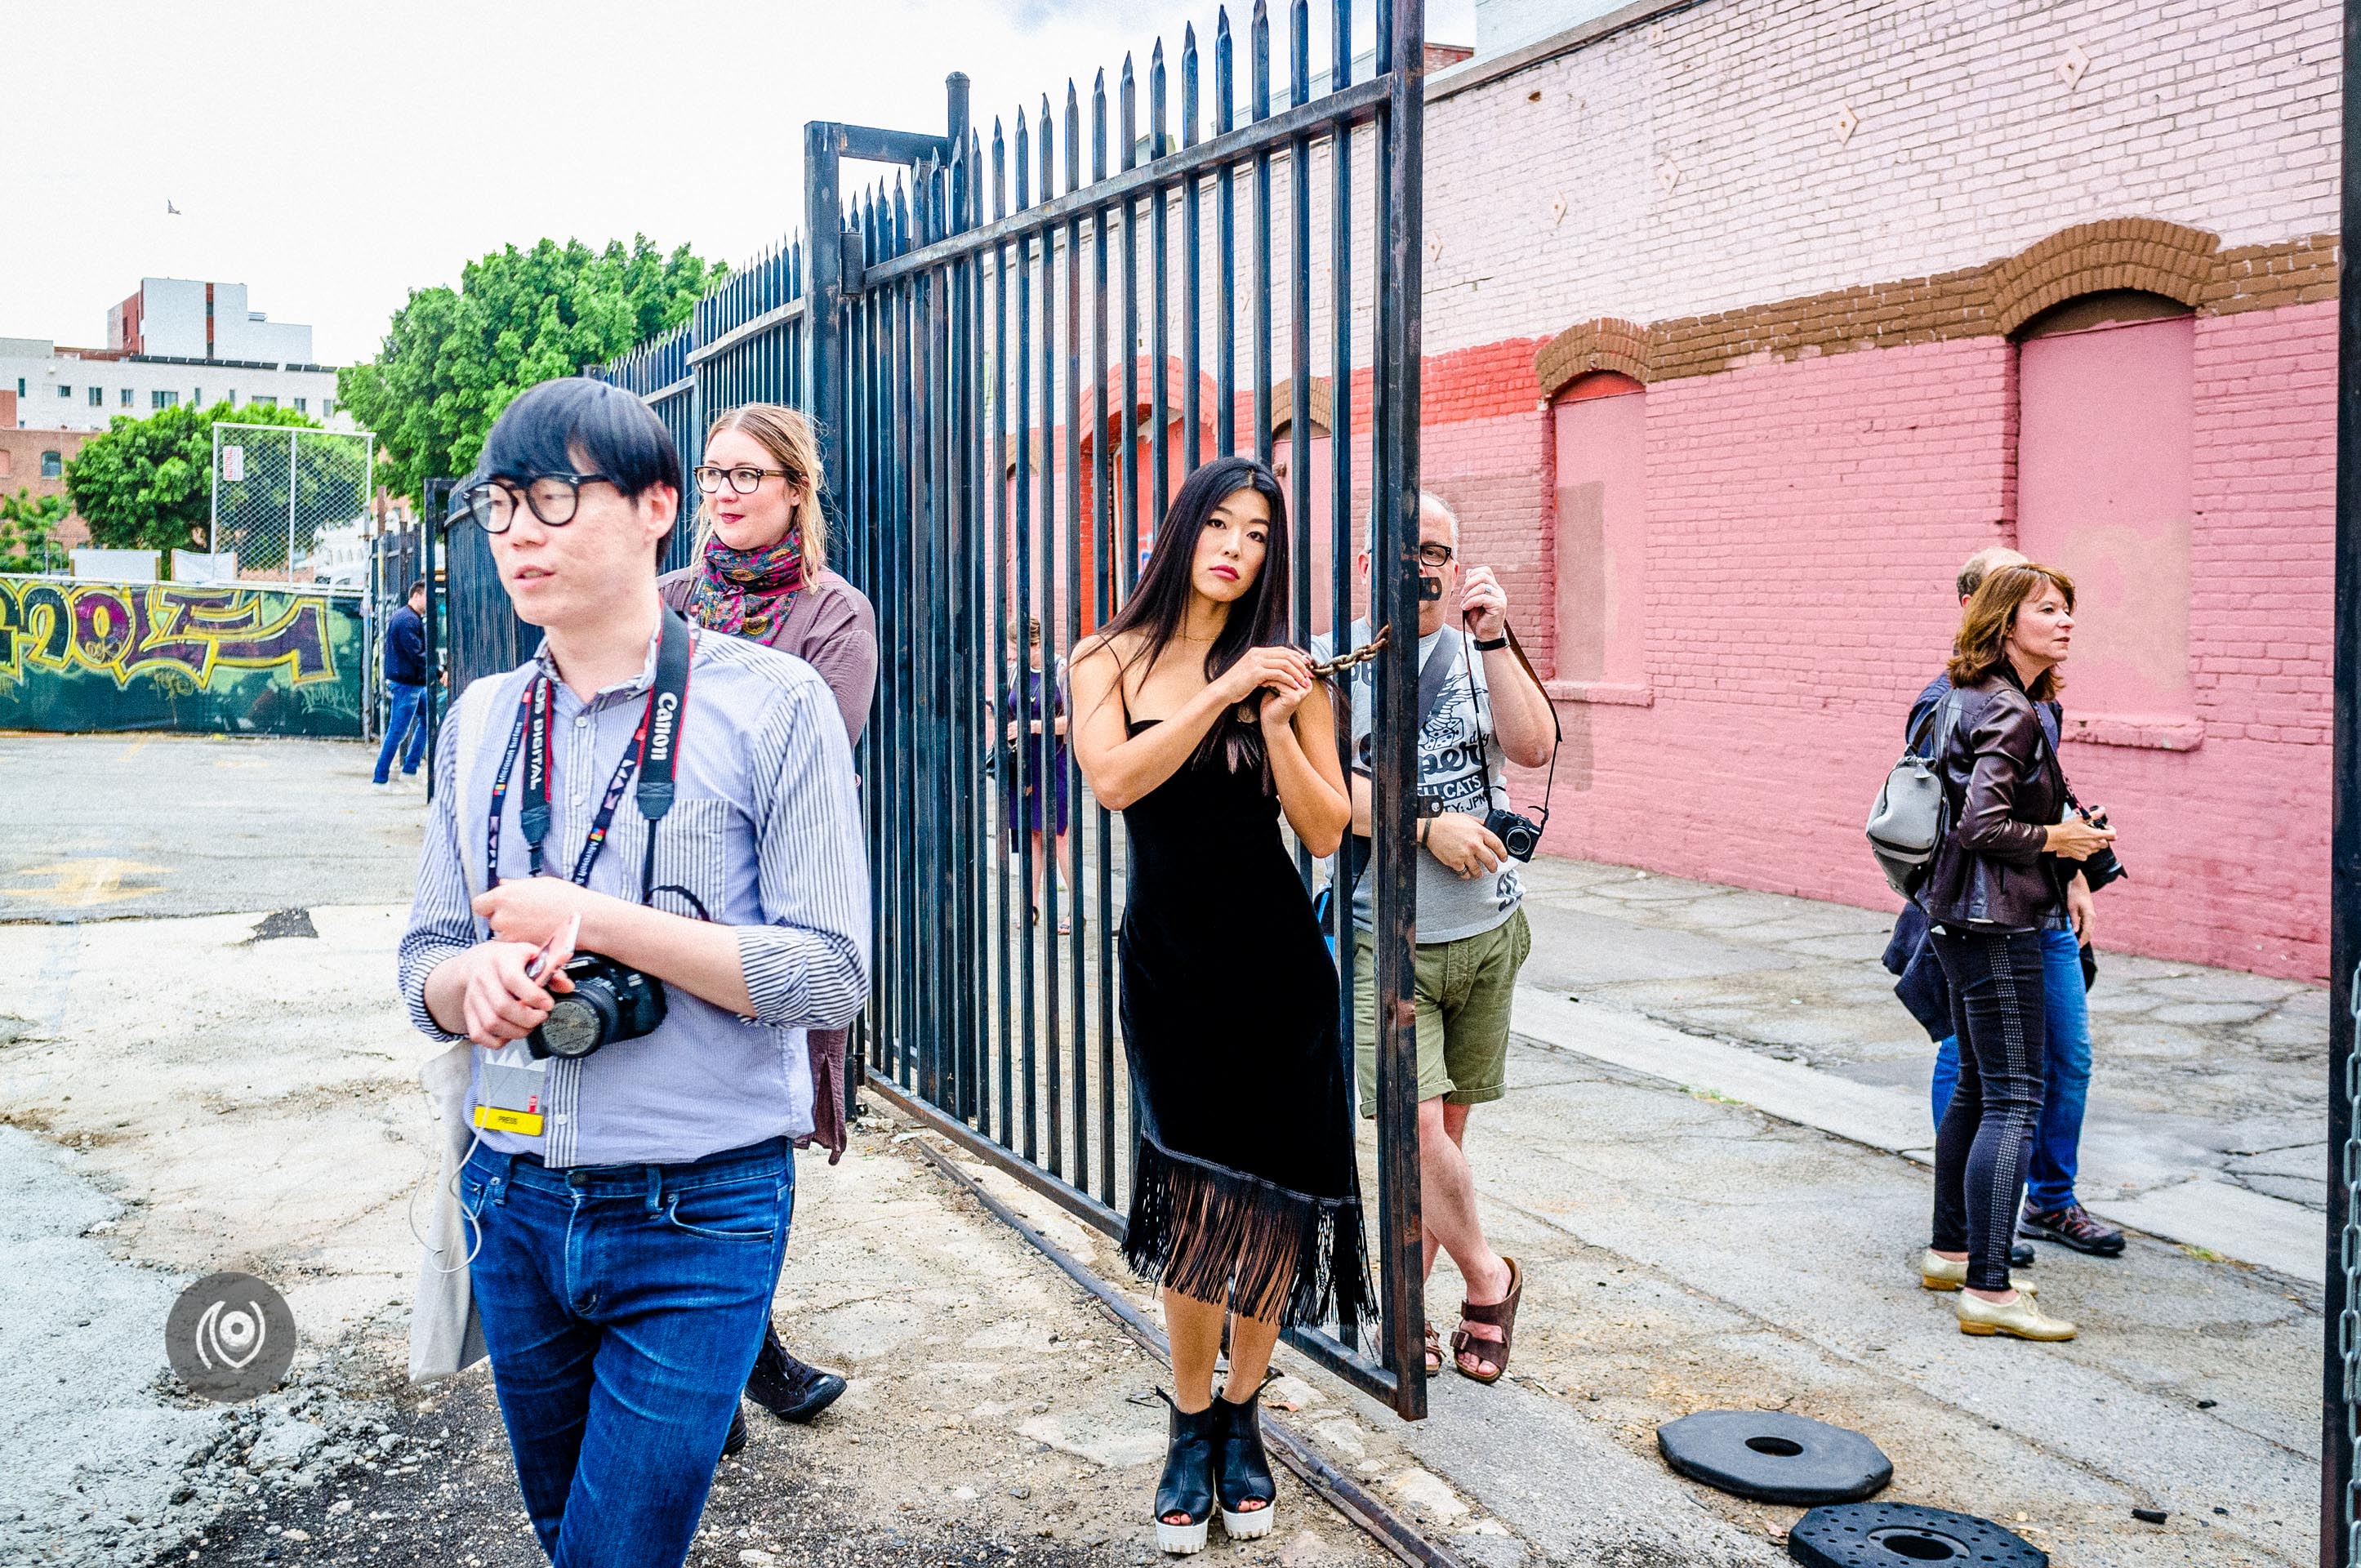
(129, 631)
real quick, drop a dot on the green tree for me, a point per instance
(29, 532)
(145, 484)
(453, 359)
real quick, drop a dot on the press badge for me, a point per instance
(514, 1093)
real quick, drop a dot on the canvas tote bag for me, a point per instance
(446, 1336)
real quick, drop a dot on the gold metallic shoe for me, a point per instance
(2019, 1318)
(1936, 1272)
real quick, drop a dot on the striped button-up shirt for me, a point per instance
(765, 830)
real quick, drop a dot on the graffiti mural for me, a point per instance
(105, 656)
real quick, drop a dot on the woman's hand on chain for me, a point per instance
(1283, 670)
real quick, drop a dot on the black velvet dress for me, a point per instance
(1244, 1190)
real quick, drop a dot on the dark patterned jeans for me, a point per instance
(1979, 1149)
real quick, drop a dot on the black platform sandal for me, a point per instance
(1184, 1493)
(1242, 1471)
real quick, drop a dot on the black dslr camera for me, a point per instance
(1519, 834)
(2100, 867)
(609, 1002)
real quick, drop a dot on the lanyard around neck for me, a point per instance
(654, 754)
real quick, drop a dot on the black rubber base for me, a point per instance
(1903, 1535)
(1775, 1457)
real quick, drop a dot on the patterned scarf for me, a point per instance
(746, 592)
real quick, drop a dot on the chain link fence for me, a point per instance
(291, 503)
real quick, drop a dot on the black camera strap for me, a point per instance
(654, 754)
(1479, 698)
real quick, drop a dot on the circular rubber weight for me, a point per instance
(1904, 1535)
(1775, 1457)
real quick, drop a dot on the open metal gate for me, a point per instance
(1017, 355)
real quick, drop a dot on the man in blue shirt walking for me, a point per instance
(679, 810)
(405, 682)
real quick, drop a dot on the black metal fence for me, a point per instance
(2340, 1436)
(1008, 448)
(1013, 356)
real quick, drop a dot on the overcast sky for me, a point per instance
(333, 156)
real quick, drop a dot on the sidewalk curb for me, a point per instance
(2219, 1217)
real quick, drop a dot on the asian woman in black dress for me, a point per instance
(1195, 721)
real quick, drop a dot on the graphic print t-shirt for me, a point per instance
(1450, 773)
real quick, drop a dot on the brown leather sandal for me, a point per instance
(1434, 1351)
(1500, 1315)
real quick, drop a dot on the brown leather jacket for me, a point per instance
(2004, 787)
(832, 628)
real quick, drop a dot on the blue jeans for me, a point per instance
(2066, 1073)
(622, 1306)
(409, 717)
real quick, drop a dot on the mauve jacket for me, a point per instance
(831, 627)
(2004, 787)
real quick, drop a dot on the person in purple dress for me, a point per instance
(1040, 806)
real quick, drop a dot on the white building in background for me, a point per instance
(179, 318)
(175, 341)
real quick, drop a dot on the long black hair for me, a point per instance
(1158, 604)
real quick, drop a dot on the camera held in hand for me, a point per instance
(1519, 834)
(2100, 867)
(609, 1002)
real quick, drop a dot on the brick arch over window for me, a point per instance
(1320, 405)
(1605, 342)
(2144, 253)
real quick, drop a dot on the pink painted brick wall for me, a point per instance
(1547, 200)
(1805, 522)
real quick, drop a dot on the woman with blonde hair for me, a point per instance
(1998, 878)
(762, 572)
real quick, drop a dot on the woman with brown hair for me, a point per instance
(762, 572)
(1996, 880)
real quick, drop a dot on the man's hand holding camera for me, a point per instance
(1482, 604)
(1463, 843)
(500, 1002)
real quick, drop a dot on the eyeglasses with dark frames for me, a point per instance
(1436, 554)
(745, 478)
(554, 498)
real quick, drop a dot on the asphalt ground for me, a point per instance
(132, 826)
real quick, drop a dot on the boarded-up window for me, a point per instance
(1602, 530)
(2105, 405)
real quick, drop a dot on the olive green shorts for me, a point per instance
(1461, 992)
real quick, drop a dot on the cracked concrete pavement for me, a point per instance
(1706, 1163)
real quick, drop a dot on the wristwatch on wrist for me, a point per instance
(1497, 643)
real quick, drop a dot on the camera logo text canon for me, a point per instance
(660, 736)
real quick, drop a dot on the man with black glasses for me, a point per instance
(698, 897)
(1480, 707)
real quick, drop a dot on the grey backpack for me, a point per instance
(1912, 813)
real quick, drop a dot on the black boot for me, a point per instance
(1186, 1487)
(737, 1438)
(785, 1386)
(1242, 1471)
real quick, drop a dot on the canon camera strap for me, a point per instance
(654, 754)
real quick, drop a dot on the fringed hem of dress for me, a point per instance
(1222, 1237)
